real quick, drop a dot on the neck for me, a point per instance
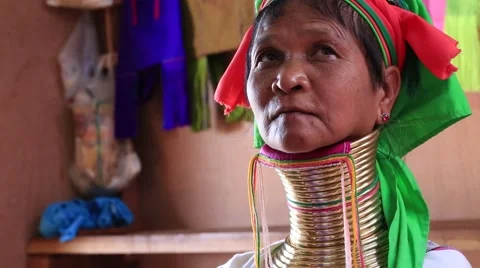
(320, 187)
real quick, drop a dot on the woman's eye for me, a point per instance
(268, 56)
(323, 51)
(327, 51)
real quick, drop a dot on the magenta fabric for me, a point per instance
(437, 10)
(339, 148)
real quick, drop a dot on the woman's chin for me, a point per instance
(295, 143)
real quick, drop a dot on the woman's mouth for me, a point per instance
(284, 113)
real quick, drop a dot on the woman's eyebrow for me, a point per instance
(329, 32)
(264, 39)
(312, 29)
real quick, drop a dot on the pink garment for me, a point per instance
(437, 10)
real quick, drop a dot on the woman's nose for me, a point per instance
(291, 77)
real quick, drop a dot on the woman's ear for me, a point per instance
(390, 88)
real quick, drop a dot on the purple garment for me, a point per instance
(150, 47)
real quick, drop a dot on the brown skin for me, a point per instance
(309, 84)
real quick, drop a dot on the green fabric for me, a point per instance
(462, 22)
(198, 93)
(197, 70)
(434, 106)
(240, 114)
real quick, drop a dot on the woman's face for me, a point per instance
(309, 83)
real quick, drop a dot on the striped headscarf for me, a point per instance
(437, 103)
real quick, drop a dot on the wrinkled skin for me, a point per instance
(309, 84)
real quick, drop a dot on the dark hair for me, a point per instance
(347, 17)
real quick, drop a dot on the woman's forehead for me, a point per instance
(300, 20)
(310, 29)
(333, 12)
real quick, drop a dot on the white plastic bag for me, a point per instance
(81, 4)
(103, 165)
(79, 56)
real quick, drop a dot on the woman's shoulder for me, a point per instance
(243, 260)
(444, 257)
(437, 257)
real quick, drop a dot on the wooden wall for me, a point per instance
(35, 124)
(448, 167)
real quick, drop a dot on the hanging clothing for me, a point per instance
(211, 18)
(150, 48)
(197, 68)
(198, 89)
(208, 45)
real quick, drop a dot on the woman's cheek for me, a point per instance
(259, 91)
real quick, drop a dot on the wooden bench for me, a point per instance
(465, 236)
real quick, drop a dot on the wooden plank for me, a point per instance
(151, 243)
(191, 242)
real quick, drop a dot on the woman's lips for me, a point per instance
(290, 112)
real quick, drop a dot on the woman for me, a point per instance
(341, 90)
